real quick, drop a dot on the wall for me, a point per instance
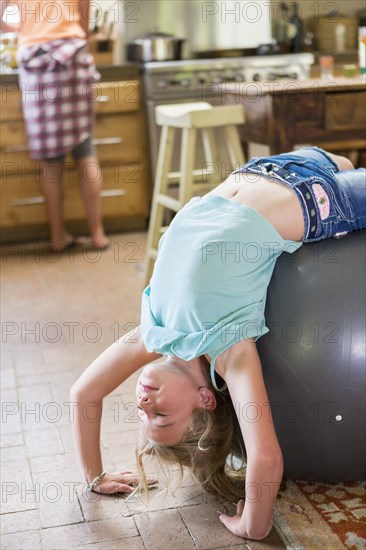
(205, 24)
(209, 24)
(321, 8)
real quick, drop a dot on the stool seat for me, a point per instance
(198, 115)
(172, 190)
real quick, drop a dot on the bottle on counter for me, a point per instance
(280, 26)
(295, 27)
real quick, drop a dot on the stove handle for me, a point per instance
(276, 76)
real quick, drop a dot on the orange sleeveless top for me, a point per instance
(46, 20)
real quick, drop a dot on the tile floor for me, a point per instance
(58, 314)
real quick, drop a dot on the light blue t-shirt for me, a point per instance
(209, 285)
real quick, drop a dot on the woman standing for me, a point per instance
(56, 72)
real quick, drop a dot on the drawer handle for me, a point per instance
(28, 201)
(113, 193)
(16, 148)
(103, 99)
(107, 141)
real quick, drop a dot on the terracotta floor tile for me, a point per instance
(10, 418)
(58, 462)
(131, 543)
(57, 503)
(11, 440)
(20, 541)
(161, 531)
(43, 442)
(205, 526)
(19, 521)
(7, 378)
(18, 492)
(239, 546)
(97, 507)
(9, 454)
(74, 536)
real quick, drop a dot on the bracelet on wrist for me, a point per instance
(96, 481)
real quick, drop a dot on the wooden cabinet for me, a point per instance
(119, 137)
(287, 114)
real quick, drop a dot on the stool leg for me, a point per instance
(164, 160)
(234, 146)
(157, 209)
(187, 156)
(213, 170)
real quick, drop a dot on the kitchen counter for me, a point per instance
(310, 85)
(109, 73)
(119, 138)
(285, 114)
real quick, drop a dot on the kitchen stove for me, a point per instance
(189, 77)
(203, 80)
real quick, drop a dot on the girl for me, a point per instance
(203, 311)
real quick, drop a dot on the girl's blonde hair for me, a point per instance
(211, 438)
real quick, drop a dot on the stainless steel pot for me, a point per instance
(155, 46)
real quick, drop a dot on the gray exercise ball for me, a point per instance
(314, 359)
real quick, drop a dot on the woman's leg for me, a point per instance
(51, 182)
(90, 185)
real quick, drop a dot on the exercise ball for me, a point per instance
(314, 359)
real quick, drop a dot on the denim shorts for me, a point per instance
(333, 201)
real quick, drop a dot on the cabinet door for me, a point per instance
(123, 192)
(15, 159)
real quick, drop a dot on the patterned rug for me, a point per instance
(322, 516)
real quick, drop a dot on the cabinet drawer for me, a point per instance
(346, 111)
(110, 97)
(15, 161)
(117, 97)
(123, 192)
(10, 102)
(13, 137)
(22, 202)
(118, 138)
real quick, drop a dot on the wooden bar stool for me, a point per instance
(172, 190)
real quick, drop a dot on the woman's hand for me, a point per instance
(120, 482)
(236, 524)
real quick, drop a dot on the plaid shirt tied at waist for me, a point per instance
(56, 81)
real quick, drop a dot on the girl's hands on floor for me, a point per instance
(236, 524)
(121, 482)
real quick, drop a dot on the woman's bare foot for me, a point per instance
(67, 242)
(101, 243)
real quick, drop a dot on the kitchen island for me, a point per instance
(285, 114)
